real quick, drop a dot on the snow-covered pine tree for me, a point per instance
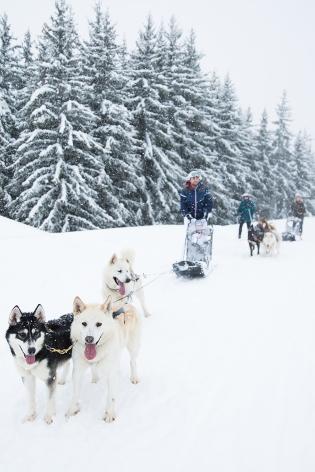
(105, 70)
(27, 72)
(233, 163)
(282, 160)
(265, 191)
(57, 163)
(254, 176)
(216, 170)
(304, 183)
(309, 159)
(150, 117)
(8, 124)
(190, 88)
(167, 137)
(178, 91)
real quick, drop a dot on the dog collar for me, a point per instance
(60, 351)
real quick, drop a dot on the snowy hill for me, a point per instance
(227, 363)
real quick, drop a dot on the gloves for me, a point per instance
(188, 216)
(208, 217)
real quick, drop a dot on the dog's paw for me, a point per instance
(29, 418)
(95, 379)
(147, 314)
(61, 382)
(48, 419)
(109, 417)
(134, 379)
(73, 410)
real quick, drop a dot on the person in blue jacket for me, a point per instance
(195, 199)
(246, 212)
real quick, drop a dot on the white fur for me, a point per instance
(110, 338)
(271, 243)
(121, 268)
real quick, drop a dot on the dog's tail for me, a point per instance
(129, 255)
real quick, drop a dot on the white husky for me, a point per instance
(119, 280)
(271, 243)
(98, 340)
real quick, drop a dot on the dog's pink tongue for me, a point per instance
(90, 351)
(121, 289)
(30, 359)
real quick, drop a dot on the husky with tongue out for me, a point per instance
(120, 281)
(38, 349)
(98, 339)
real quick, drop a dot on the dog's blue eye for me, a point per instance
(98, 325)
(84, 323)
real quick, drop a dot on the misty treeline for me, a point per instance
(94, 135)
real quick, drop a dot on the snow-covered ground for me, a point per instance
(227, 363)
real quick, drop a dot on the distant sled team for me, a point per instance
(264, 233)
(93, 336)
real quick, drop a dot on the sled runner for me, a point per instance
(197, 250)
(292, 229)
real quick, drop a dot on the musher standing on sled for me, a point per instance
(298, 210)
(195, 199)
(195, 206)
(246, 211)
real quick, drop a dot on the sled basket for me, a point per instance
(197, 251)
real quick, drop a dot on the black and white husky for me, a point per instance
(38, 349)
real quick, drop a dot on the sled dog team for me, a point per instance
(93, 335)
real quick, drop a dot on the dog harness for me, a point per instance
(118, 312)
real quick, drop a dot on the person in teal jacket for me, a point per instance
(246, 212)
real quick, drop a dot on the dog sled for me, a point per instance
(197, 251)
(292, 229)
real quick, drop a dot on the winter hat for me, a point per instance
(247, 195)
(298, 195)
(194, 173)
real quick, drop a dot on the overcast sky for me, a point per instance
(265, 45)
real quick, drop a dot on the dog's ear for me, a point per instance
(78, 306)
(39, 313)
(113, 259)
(128, 255)
(15, 316)
(107, 305)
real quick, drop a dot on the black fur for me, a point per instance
(254, 239)
(56, 336)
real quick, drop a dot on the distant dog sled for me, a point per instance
(293, 229)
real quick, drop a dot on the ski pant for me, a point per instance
(241, 227)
